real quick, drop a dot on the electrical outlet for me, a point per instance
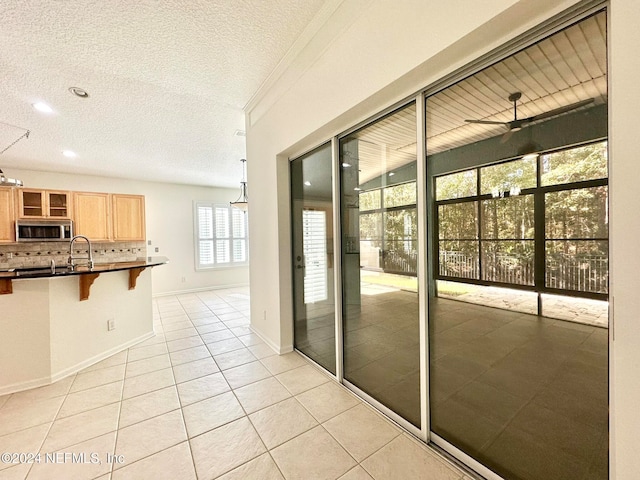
(157, 249)
(9, 255)
(148, 242)
(111, 324)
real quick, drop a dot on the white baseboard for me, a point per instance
(18, 387)
(54, 377)
(276, 348)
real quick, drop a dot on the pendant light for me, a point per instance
(242, 203)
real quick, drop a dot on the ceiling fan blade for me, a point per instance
(487, 122)
(505, 138)
(558, 111)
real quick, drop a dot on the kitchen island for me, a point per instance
(56, 321)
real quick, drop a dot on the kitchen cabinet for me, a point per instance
(7, 215)
(43, 203)
(92, 215)
(128, 217)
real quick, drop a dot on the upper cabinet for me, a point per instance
(7, 231)
(128, 217)
(102, 217)
(43, 203)
(92, 215)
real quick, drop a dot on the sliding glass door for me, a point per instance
(313, 263)
(502, 358)
(379, 263)
(518, 326)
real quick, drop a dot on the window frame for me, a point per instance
(540, 240)
(199, 266)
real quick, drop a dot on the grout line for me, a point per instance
(115, 443)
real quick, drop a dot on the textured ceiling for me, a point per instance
(167, 83)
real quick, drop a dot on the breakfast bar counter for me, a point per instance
(87, 275)
(56, 321)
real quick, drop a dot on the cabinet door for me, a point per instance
(128, 217)
(92, 215)
(43, 203)
(31, 203)
(7, 228)
(58, 204)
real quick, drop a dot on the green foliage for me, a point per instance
(503, 177)
(511, 217)
(457, 185)
(588, 162)
(458, 220)
(508, 225)
(579, 213)
(369, 200)
(399, 195)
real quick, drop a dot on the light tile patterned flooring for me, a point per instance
(206, 398)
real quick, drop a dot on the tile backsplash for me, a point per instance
(37, 254)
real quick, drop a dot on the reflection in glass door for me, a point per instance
(312, 247)
(379, 263)
(518, 346)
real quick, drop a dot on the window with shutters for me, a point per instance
(314, 244)
(221, 233)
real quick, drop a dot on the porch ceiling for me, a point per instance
(560, 70)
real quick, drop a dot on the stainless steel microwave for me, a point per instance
(44, 230)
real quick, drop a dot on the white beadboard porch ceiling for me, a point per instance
(565, 68)
(167, 83)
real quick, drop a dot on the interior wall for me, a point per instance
(624, 231)
(366, 57)
(390, 51)
(169, 222)
(25, 363)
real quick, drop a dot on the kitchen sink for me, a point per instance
(37, 271)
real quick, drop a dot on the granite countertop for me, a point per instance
(62, 271)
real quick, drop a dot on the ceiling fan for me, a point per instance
(519, 123)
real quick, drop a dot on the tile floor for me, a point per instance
(206, 398)
(525, 395)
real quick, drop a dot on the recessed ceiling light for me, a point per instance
(307, 183)
(346, 165)
(69, 153)
(357, 189)
(79, 92)
(391, 174)
(42, 107)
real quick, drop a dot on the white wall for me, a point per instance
(78, 330)
(169, 222)
(370, 55)
(25, 354)
(624, 232)
(48, 334)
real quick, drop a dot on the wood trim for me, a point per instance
(6, 287)
(133, 276)
(84, 282)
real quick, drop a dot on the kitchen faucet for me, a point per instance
(70, 262)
